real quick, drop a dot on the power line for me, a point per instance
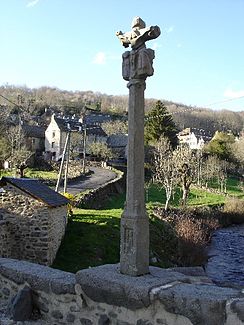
(225, 101)
(10, 101)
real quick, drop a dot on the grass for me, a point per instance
(233, 187)
(197, 197)
(32, 173)
(92, 238)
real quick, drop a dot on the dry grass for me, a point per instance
(190, 232)
(234, 209)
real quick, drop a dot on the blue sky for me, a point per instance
(71, 44)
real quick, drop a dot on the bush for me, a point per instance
(190, 231)
(234, 209)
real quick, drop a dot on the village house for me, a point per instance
(34, 138)
(119, 145)
(57, 130)
(95, 118)
(33, 220)
(195, 140)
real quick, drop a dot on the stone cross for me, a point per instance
(136, 67)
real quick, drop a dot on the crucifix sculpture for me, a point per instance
(136, 67)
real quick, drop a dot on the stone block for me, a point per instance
(70, 318)
(106, 284)
(85, 321)
(57, 314)
(21, 306)
(237, 306)
(39, 277)
(201, 304)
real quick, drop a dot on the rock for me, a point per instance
(21, 306)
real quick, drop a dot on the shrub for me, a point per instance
(190, 232)
(234, 209)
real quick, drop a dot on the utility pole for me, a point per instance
(84, 150)
(67, 164)
(62, 161)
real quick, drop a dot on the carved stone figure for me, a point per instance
(137, 63)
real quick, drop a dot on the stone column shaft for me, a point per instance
(134, 250)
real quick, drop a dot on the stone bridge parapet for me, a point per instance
(101, 295)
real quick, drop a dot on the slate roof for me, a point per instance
(199, 133)
(37, 190)
(95, 130)
(97, 118)
(33, 131)
(66, 124)
(117, 140)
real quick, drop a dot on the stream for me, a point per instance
(226, 256)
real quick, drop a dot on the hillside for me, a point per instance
(34, 102)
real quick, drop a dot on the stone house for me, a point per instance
(34, 138)
(56, 133)
(119, 144)
(95, 118)
(33, 220)
(194, 140)
(94, 133)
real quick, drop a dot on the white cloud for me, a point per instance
(32, 3)
(100, 58)
(230, 93)
(179, 45)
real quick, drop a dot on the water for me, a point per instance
(226, 256)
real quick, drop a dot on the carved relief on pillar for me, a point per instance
(137, 64)
(128, 242)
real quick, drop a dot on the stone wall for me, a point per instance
(103, 296)
(34, 230)
(95, 198)
(5, 250)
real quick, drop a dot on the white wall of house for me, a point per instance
(54, 140)
(192, 141)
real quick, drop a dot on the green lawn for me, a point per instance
(92, 238)
(197, 197)
(32, 173)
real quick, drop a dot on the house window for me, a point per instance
(53, 134)
(53, 143)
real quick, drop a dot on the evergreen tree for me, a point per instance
(160, 123)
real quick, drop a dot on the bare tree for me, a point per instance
(187, 167)
(238, 150)
(100, 149)
(165, 172)
(115, 127)
(76, 144)
(215, 169)
(16, 138)
(19, 154)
